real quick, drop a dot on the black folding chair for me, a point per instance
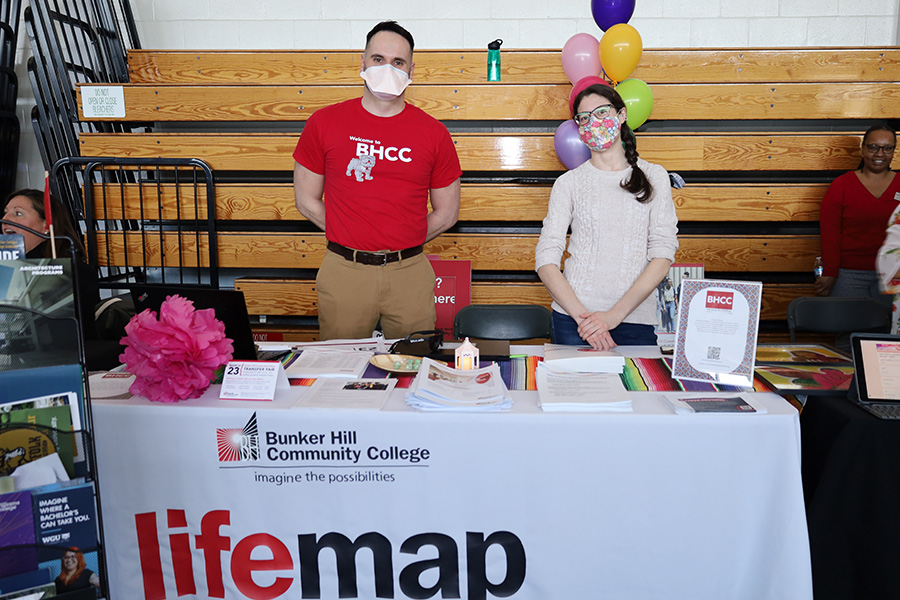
(835, 314)
(502, 322)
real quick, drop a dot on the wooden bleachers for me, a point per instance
(756, 133)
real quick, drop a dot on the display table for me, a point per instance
(260, 500)
(852, 484)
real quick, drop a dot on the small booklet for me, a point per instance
(368, 394)
(685, 405)
(582, 359)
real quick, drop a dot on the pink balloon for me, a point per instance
(581, 84)
(570, 150)
(581, 57)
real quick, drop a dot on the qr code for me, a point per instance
(713, 352)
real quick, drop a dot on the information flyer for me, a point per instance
(717, 330)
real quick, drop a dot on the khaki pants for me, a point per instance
(352, 297)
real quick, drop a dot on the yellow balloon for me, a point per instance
(620, 51)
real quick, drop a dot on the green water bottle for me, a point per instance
(494, 60)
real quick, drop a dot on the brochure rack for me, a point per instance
(42, 358)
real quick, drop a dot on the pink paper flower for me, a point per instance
(174, 358)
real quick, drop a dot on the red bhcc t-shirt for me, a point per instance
(378, 172)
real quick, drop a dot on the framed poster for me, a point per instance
(717, 328)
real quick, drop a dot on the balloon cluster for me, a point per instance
(584, 60)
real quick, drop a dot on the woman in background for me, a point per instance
(26, 207)
(624, 228)
(852, 219)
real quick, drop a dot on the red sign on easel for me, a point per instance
(452, 290)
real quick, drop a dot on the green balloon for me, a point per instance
(638, 100)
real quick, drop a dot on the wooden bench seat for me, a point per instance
(487, 252)
(671, 101)
(508, 152)
(453, 67)
(479, 202)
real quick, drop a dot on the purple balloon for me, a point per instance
(570, 150)
(611, 12)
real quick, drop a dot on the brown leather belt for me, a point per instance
(378, 259)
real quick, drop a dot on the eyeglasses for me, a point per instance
(874, 148)
(583, 118)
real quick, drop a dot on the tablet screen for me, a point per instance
(877, 363)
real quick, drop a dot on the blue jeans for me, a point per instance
(565, 331)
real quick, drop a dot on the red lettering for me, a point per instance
(242, 566)
(182, 563)
(149, 552)
(213, 544)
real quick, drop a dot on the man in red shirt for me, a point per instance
(365, 171)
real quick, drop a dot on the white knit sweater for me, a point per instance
(614, 236)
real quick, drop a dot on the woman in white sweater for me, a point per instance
(624, 228)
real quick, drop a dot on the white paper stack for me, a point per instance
(439, 387)
(560, 391)
(329, 362)
(582, 359)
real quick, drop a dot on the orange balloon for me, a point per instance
(620, 51)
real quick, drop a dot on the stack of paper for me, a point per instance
(582, 359)
(439, 387)
(328, 362)
(560, 391)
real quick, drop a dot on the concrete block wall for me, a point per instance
(332, 24)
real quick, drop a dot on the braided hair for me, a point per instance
(637, 184)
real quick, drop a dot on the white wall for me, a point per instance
(330, 24)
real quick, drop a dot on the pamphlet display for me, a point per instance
(717, 331)
(47, 510)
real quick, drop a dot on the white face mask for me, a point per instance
(385, 81)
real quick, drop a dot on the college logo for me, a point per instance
(239, 444)
(723, 300)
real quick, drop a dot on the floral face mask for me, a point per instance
(599, 133)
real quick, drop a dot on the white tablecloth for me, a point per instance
(643, 505)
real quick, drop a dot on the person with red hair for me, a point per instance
(74, 575)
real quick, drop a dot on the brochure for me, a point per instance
(685, 405)
(16, 529)
(439, 387)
